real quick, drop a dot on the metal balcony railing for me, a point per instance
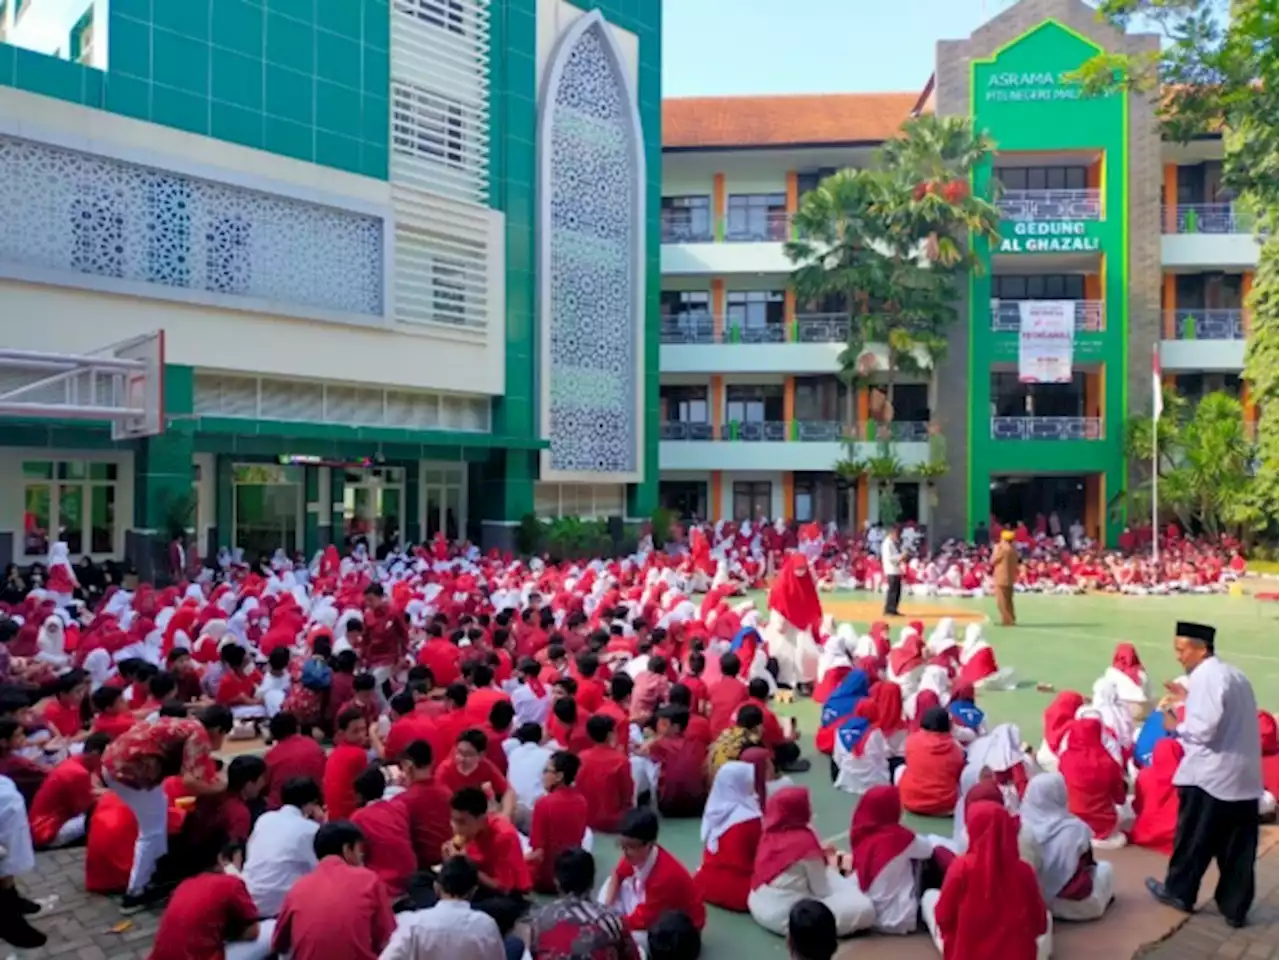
(755, 431)
(799, 431)
(817, 431)
(1051, 204)
(1006, 316)
(684, 430)
(1206, 324)
(1209, 218)
(1046, 428)
(806, 328)
(679, 227)
(763, 227)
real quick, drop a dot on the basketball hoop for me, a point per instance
(143, 389)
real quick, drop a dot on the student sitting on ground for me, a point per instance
(427, 803)
(811, 931)
(467, 766)
(674, 937)
(1095, 785)
(57, 813)
(450, 928)
(385, 824)
(1155, 799)
(731, 827)
(862, 752)
(1058, 845)
(930, 780)
(575, 925)
(605, 777)
(212, 915)
(886, 858)
(490, 842)
(682, 785)
(559, 820)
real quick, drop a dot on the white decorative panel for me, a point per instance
(265, 398)
(585, 500)
(440, 96)
(444, 271)
(73, 212)
(591, 211)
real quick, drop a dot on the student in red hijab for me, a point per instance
(890, 716)
(990, 904)
(1095, 783)
(1058, 717)
(884, 859)
(1155, 799)
(930, 781)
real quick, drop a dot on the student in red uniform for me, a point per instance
(440, 656)
(489, 841)
(340, 909)
(218, 819)
(62, 710)
(386, 635)
(497, 730)
(930, 781)
(186, 674)
(605, 776)
(681, 760)
(731, 830)
(112, 715)
(453, 721)
(567, 726)
(348, 759)
(726, 694)
(559, 819)
(649, 881)
(692, 679)
(785, 749)
(591, 690)
(342, 682)
(208, 913)
(235, 687)
(57, 813)
(407, 725)
(385, 824)
(292, 756)
(426, 802)
(699, 727)
(467, 766)
(1155, 799)
(364, 697)
(483, 695)
(1095, 781)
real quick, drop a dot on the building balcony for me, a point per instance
(1047, 428)
(1039, 205)
(1208, 236)
(724, 245)
(805, 445)
(1006, 316)
(1205, 324)
(1203, 340)
(699, 343)
(806, 328)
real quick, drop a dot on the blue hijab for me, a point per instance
(740, 638)
(844, 699)
(852, 731)
(966, 713)
(1152, 732)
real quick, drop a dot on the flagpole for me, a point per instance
(1157, 401)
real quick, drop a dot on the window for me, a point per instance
(688, 498)
(1010, 398)
(426, 124)
(803, 498)
(908, 497)
(678, 304)
(438, 13)
(753, 404)
(752, 312)
(686, 219)
(684, 404)
(752, 499)
(69, 500)
(757, 216)
(267, 501)
(911, 403)
(1044, 178)
(448, 291)
(819, 398)
(1050, 286)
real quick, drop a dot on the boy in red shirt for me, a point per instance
(467, 766)
(483, 695)
(112, 713)
(489, 841)
(385, 824)
(218, 819)
(207, 913)
(566, 727)
(236, 688)
(349, 758)
(62, 710)
(292, 756)
(591, 690)
(407, 725)
(699, 727)
(726, 695)
(618, 708)
(692, 679)
(496, 731)
(440, 656)
(605, 777)
(682, 783)
(665, 883)
(57, 813)
(427, 804)
(559, 819)
(783, 745)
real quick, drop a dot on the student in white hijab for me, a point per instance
(52, 643)
(1000, 751)
(98, 665)
(733, 800)
(935, 679)
(1115, 714)
(1059, 846)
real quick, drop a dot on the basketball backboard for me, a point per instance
(141, 389)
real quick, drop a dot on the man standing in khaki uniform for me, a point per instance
(1004, 571)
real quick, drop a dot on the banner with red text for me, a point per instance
(1046, 341)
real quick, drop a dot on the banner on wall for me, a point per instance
(1046, 340)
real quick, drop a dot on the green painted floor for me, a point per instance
(1065, 641)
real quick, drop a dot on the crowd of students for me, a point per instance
(488, 721)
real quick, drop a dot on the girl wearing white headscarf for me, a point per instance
(52, 643)
(1059, 846)
(1000, 751)
(731, 825)
(98, 665)
(1115, 714)
(934, 679)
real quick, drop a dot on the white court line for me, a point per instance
(1144, 644)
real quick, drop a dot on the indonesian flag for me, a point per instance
(1157, 391)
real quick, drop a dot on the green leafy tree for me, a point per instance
(1217, 73)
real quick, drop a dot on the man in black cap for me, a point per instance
(1219, 780)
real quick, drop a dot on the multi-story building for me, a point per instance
(378, 237)
(1097, 210)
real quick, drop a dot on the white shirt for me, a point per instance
(279, 853)
(525, 763)
(450, 929)
(1222, 752)
(529, 707)
(891, 558)
(893, 891)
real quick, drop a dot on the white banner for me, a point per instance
(1046, 340)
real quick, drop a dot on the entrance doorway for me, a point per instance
(1022, 499)
(444, 498)
(373, 508)
(688, 498)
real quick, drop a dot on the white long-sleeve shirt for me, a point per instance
(1222, 753)
(449, 929)
(279, 853)
(891, 557)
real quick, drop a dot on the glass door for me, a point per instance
(444, 500)
(373, 508)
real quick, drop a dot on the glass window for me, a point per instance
(756, 216)
(266, 517)
(908, 497)
(105, 471)
(752, 500)
(37, 470)
(753, 404)
(680, 303)
(102, 519)
(71, 470)
(686, 218)
(753, 310)
(71, 517)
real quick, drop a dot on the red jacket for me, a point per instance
(669, 887)
(605, 780)
(559, 823)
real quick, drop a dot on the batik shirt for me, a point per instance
(149, 752)
(572, 928)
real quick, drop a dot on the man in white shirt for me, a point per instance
(450, 929)
(281, 848)
(526, 759)
(891, 562)
(1219, 781)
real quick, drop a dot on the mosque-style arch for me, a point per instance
(591, 275)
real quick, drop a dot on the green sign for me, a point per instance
(1048, 236)
(1030, 85)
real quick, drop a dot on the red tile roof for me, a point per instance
(692, 122)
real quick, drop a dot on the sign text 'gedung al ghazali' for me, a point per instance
(1054, 236)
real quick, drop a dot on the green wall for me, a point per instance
(304, 78)
(1021, 99)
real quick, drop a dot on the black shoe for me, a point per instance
(1162, 894)
(798, 766)
(137, 902)
(1236, 923)
(28, 908)
(14, 928)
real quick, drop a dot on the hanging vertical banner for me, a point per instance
(1046, 340)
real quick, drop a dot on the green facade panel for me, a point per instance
(1023, 98)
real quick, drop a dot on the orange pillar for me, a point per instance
(717, 407)
(864, 413)
(864, 502)
(1169, 303)
(789, 314)
(1170, 198)
(1090, 393)
(788, 496)
(793, 197)
(1246, 287)
(718, 206)
(789, 404)
(1091, 504)
(717, 308)
(717, 506)
(1093, 292)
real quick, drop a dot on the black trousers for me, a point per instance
(1211, 829)
(893, 597)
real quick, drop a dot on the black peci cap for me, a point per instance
(1200, 632)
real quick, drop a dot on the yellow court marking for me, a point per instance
(868, 611)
